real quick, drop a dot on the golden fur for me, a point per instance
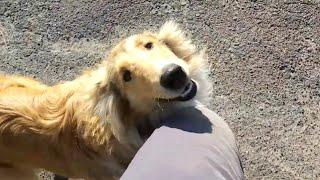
(88, 127)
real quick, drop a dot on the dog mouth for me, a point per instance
(188, 93)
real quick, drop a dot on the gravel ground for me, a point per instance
(265, 63)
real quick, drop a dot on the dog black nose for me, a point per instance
(173, 77)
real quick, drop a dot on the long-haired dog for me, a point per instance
(91, 127)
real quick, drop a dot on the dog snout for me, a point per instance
(173, 77)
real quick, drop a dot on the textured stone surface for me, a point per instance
(265, 63)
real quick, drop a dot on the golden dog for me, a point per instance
(89, 127)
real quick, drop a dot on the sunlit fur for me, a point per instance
(88, 127)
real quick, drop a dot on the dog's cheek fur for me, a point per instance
(176, 40)
(199, 71)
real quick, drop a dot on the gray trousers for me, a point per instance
(192, 144)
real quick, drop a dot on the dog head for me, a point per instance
(158, 67)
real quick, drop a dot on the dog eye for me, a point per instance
(149, 45)
(127, 76)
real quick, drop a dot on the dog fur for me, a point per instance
(89, 127)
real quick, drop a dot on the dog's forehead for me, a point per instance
(133, 47)
(140, 39)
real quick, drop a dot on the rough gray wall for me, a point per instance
(265, 57)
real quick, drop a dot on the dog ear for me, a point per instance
(116, 113)
(118, 107)
(110, 104)
(176, 40)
